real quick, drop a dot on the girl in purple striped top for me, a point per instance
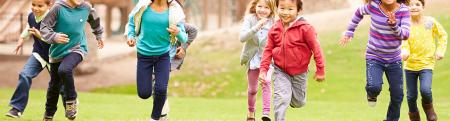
(390, 22)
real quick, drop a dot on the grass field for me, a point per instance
(212, 87)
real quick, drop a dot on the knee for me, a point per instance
(25, 74)
(252, 91)
(64, 71)
(144, 95)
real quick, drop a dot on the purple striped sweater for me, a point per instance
(384, 41)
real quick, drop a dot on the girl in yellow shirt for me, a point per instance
(426, 44)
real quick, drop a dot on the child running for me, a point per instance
(36, 62)
(63, 27)
(426, 45)
(389, 26)
(154, 23)
(256, 24)
(291, 43)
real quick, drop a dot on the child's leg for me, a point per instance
(252, 89)
(31, 69)
(162, 72)
(299, 84)
(426, 77)
(374, 76)
(411, 89)
(144, 77)
(282, 94)
(425, 90)
(394, 75)
(65, 71)
(267, 93)
(54, 87)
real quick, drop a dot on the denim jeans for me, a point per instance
(62, 75)
(394, 75)
(145, 67)
(31, 69)
(425, 79)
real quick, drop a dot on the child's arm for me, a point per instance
(401, 30)
(182, 36)
(405, 50)
(357, 17)
(441, 35)
(94, 21)
(47, 25)
(310, 36)
(24, 35)
(191, 31)
(267, 56)
(248, 31)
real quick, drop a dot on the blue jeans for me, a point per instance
(62, 75)
(394, 75)
(32, 68)
(145, 67)
(425, 78)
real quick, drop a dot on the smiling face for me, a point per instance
(415, 7)
(288, 10)
(262, 9)
(39, 7)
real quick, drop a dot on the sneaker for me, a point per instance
(48, 118)
(14, 113)
(163, 117)
(265, 118)
(372, 101)
(71, 109)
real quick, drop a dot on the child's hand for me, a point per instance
(319, 78)
(262, 79)
(131, 42)
(173, 30)
(180, 53)
(405, 56)
(344, 40)
(35, 32)
(439, 56)
(18, 46)
(391, 19)
(100, 44)
(261, 23)
(62, 38)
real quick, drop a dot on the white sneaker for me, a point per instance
(372, 103)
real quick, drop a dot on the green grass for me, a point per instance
(118, 107)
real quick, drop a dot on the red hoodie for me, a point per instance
(291, 50)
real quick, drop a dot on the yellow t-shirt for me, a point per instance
(425, 41)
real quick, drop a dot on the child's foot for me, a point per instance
(71, 109)
(372, 101)
(251, 116)
(14, 113)
(163, 117)
(48, 117)
(265, 118)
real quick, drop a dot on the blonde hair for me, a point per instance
(251, 8)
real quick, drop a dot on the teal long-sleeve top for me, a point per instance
(154, 39)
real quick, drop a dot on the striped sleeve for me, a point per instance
(402, 28)
(357, 17)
